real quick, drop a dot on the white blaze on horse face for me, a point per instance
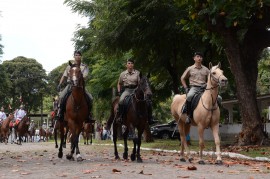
(74, 77)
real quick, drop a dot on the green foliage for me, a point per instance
(28, 80)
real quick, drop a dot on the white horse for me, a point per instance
(206, 114)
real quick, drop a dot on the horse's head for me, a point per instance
(144, 88)
(216, 76)
(75, 75)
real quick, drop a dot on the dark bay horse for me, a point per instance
(22, 129)
(135, 119)
(205, 115)
(88, 129)
(5, 128)
(76, 112)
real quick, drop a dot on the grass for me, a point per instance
(251, 151)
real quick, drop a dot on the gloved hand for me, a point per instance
(186, 90)
(59, 87)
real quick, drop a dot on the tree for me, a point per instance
(28, 80)
(240, 28)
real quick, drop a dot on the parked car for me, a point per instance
(165, 131)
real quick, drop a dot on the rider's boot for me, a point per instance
(120, 117)
(90, 118)
(59, 116)
(188, 106)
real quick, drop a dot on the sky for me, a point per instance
(39, 29)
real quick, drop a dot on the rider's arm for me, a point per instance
(184, 77)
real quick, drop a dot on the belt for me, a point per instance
(131, 86)
(196, 86)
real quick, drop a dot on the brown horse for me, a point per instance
(43, 134)
(88, 129)
(5, 128)
(32, 133)
(76, 112)
(22, 129)
(135, 119)
(206, 114)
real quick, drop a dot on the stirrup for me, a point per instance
(188, 120)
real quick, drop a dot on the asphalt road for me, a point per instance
(39, 160)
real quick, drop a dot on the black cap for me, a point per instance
(77, 52)
(130, 60)
(198, 53)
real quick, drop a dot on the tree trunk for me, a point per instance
(243, 63)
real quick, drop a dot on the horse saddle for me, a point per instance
(126, 103)
(194, 102)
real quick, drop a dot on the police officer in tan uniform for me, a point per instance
(127, 82)
(65, 77)
(197, 75)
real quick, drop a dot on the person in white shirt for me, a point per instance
(3, 115)
(19, 114)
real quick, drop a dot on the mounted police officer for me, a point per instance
(64, 94)
(197, 75)
(127, 83)
(3, 115)
(19, 115)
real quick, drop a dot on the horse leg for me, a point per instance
(215, 131)
(91, 139)
(78, 155)
(72, 147)
(182, 129)
(125, 154)
(55, 138)
(115, 140)
(201, 144)
(61, 128)
(133, 155)
(139, 142)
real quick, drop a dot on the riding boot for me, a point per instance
(188, 120)
(59, 115)
(90, 118)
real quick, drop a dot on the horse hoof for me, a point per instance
(132, 157)
(182, 160)
(219, 162)
(125, 156)
(139, 160)
(60, 155)
(201, 162)
(117, 157)
(190, 160)
(84, 143)
(79, 159)
(70, 157)
(56, 146)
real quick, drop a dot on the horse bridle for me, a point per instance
(145, 96)
(211, 88)
(79, 78)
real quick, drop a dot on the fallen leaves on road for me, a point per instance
(88, 171)
(25, 173)
(192, 167)
(183, 176)
(116, 171)
(141, 172)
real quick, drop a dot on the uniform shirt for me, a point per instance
(197, 76)
(2, 115)
(19, 114)
(129, 79)
(84, 69)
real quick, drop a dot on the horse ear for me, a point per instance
(210, 65)
(140, 75)
(219, 65)
(70, 64)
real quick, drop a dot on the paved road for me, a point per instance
(39, 160)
